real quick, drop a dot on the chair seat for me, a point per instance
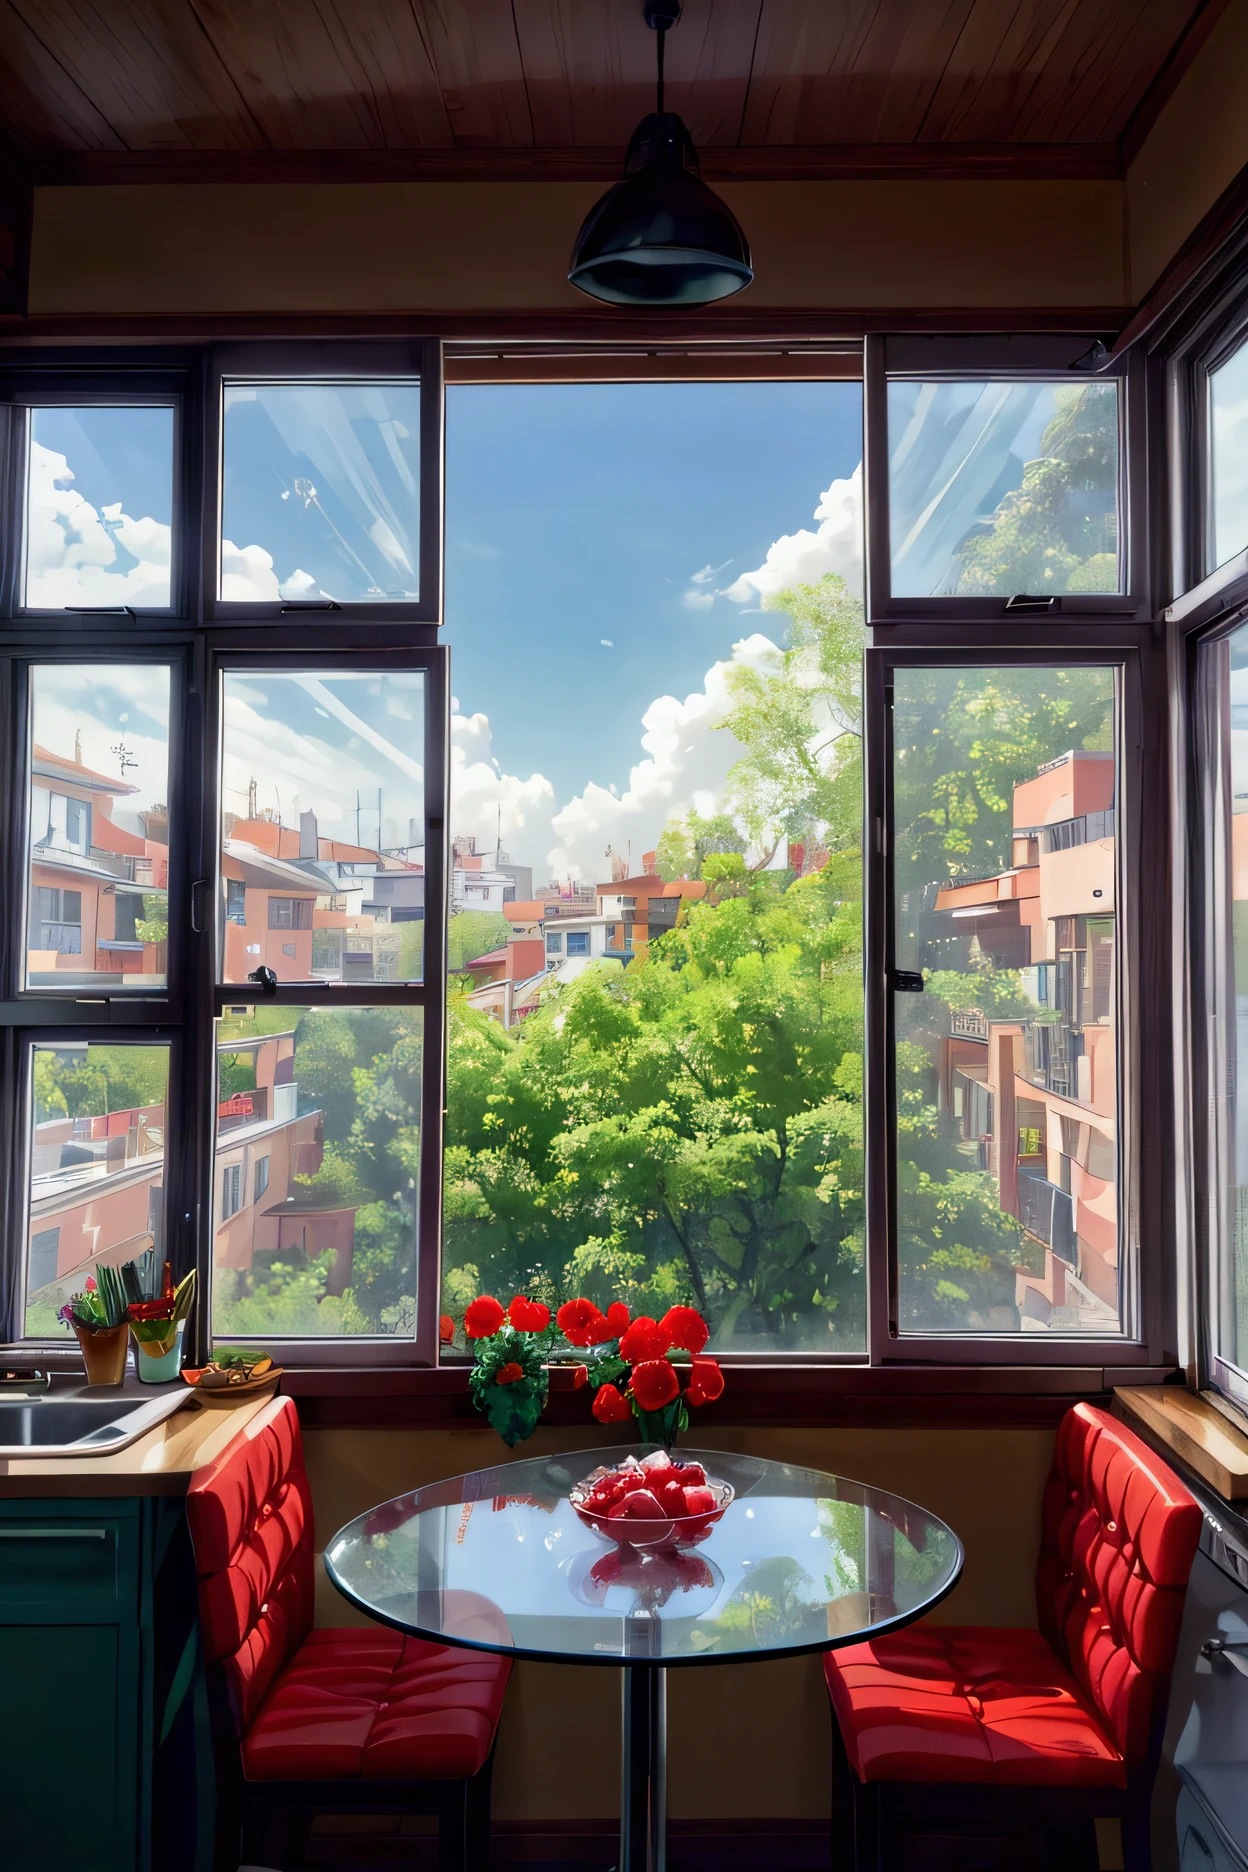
(967, 1704)
(375, 1705)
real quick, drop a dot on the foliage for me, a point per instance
(1056, 532)
(291, 1304)
(98, 1080)
(474, 933)
(685, 844)
(509, 1381)
(153, 925)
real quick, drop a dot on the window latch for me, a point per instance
(313, 604)
(907, 981)
(1024, 601)
(102, 610)
(197, 923)
(264, 978)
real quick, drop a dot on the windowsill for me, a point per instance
(777, 1395)
(1206, 1433)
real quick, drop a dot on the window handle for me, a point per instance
(197, 924)
(313, 604)
(1024, 601)
(102, 610)
(264, 978)
(907, 981)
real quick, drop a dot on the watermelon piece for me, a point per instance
(699, 1501)
(637, 1505)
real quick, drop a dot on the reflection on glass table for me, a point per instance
(499, 1560)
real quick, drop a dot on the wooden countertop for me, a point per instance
(1198, 1428)
(160, 1462)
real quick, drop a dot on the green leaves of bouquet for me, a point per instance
(509, 1380)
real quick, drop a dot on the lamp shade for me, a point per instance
(660, 237)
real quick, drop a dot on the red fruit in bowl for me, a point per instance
(638, 1505)
(659, 1474)
(699, 1501)
(691, 1474)
(672, 1498)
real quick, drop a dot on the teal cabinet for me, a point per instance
(104, 1757)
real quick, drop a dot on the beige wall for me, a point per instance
(456, 246)
(745, 1741)
(1196, 148)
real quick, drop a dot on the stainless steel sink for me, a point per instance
(76, 1426)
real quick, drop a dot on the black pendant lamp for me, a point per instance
(661, 237)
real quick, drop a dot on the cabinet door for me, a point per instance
(67, 1740)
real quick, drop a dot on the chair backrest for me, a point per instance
(250, 1516)
(1119, 1536)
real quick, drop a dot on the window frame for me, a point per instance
(1019, 357)
(204, 636)
(1145, 1239)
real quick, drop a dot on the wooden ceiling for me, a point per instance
(100, 90)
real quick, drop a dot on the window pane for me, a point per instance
(998, 488)
(97, 1154)
(98, 904)
(655, 942)
(1228, 424)
(1004, 797)
(99, 507)
(320, 491)
(315, 1184)
(323, 826)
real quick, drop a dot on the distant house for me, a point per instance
(644, 907)
(88, 880)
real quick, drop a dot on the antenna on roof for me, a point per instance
(251, 798)
(78, 745)
(124, 757)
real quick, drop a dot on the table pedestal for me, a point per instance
(643, 1788)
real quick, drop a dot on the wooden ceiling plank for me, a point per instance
(476, 56)
(331, 74)
(994, 70)
(590, 71)
(800, 46)
(1101, 64)
(146, 67)
(1167, 80)
(41, 105)
(899, 66)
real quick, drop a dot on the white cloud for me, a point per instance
(71, 549)
(479, 790)
(608, 643)
(804, 557)
(687, 761)
(697, 600)
(708, 573)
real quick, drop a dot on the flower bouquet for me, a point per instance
(509, 1381)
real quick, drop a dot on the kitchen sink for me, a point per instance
(74, 1426)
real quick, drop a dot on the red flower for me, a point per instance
(654, 1384)
(617, 1318)
(528, 1315)
(610, 1406)
(580, 1377)
(446, 1328)
(685, 1328)
(510, 1373)
(90, 1283)
(581, 1323)
(483, 1318)
(644, 1340)
(706, 1384)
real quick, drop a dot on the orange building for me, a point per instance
(1036, 1096)
(645, 907)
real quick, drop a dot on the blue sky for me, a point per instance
(582, 512)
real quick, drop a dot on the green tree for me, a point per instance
(685, 844)
(474, 933)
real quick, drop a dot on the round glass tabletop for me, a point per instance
(500, 1560)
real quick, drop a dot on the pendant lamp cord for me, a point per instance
(662, 35)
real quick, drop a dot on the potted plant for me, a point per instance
(97, 1317)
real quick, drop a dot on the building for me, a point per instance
(92, 881)
(642, 907)
(506, 982)
(1035, 1098)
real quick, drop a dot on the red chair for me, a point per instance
(944, 1729)
(338, 1721)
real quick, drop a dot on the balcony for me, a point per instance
(61, 938)
(1053, 1050)
(1048, 1212)
(968, 1024)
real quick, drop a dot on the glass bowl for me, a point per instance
(648, 1534)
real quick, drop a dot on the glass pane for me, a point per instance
(998, 488)
(320, 492)
(1228, 423)
(655, 1025)
(99, 507)
(315, 1176)
(97, 1157)
(97, 910)
(1004, 795)
(1227, 662)
(323, 826)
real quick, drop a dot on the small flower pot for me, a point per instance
(104, 1353)
(158, 1361)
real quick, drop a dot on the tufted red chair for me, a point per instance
(347, 1720)
(942, 1726)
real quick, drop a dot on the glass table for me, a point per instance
(500, 1561)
